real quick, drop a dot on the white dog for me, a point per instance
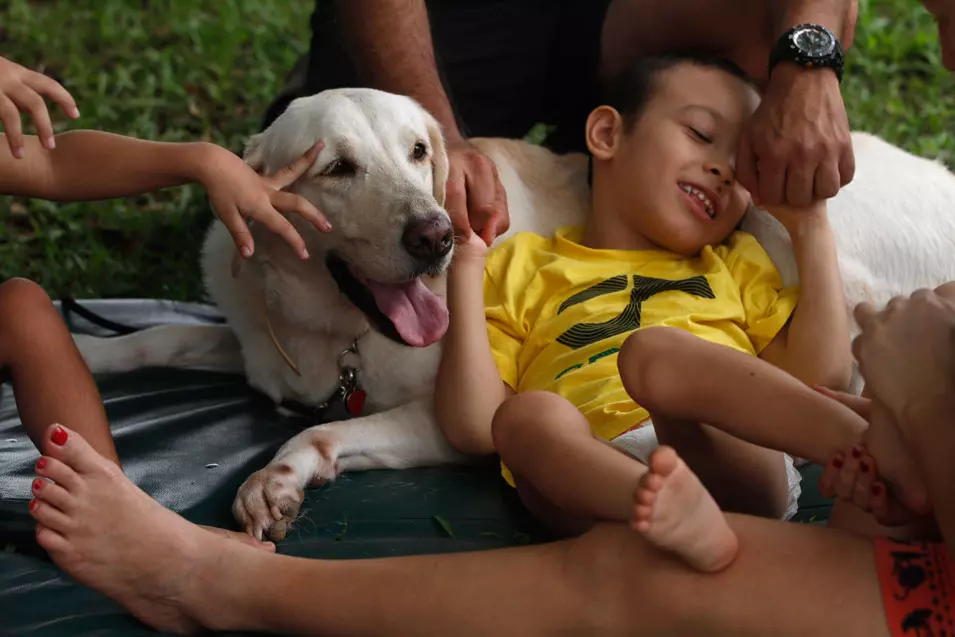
(355, 330)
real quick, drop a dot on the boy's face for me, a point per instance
(674, 172)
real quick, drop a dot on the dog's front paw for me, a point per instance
(268, 502)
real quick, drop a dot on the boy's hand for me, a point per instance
(237, 192)
(791, 216)
(470, 245)
(21, 90)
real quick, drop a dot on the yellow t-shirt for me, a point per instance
(558, 312)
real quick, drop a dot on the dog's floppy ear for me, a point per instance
(439, 160)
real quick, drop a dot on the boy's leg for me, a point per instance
(752, 411)
(51, 383)
(567, 477)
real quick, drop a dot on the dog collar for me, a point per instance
(348, 396)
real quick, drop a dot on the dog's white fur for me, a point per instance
(894, 224)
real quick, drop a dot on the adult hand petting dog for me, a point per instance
(796, 148)
(237, 192)
(475, 199)
(22, 90)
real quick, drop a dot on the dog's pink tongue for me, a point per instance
(419, 315)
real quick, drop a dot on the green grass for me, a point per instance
(179, 70)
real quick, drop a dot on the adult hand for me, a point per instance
(22, 90)
(475, 198)
(796, 148)
(906, 352)
(237, 192)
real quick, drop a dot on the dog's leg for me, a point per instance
(205, 347)
(406, 436)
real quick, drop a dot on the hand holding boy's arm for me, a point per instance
(815, 347)
(88, 165)
(469, 388)
(22, 90)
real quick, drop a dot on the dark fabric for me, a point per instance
(506, 64)
(189, 439)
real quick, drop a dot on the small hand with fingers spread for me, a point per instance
(22, 90)
(238, 193)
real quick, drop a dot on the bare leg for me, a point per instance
(753, 411)
(787, 579)
(51, 382)
(673, 510)
(566, 476)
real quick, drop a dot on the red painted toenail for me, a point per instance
(37, 484)
(856, 452)
(59, 436)
(33, 504)
(877, 489)
(41, 463)
(837, 462)
(863, 467)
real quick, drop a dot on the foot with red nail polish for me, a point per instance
(111, 536)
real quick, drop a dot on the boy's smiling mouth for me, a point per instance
(701, 199)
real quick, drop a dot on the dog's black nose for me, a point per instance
(428, 239)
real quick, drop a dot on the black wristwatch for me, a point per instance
(810, 46)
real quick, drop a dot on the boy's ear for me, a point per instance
(603, 129)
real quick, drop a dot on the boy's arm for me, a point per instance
(89, 165)
(816, 345)
(469, 388)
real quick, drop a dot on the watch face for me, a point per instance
(813, 41)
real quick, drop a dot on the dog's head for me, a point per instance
(380, 180)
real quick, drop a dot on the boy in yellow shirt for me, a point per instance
(557, 347)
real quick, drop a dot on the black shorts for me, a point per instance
(505, 64)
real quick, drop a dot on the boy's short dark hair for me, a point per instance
(632, 88)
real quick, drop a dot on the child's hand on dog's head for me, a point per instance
(22, 91)
(238, 193)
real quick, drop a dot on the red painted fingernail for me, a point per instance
(877, 489)
(864, 467)
(856, 453)
(33, 504)
(59, 436)
(837, 462)
(41, 463)
(37, 484)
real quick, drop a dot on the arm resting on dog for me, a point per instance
(816, 345)
(469, 388)
(392, 50)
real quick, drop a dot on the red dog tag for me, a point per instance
(355, 402)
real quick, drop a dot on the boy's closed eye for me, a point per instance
(700, 136)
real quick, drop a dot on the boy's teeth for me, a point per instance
(699, 195)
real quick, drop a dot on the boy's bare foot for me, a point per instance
(675, 512)
(111, 536)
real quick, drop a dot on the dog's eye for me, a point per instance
(339, 168)
(419, 152)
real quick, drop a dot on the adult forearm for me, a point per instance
(839, 16)
(929, 427)
(89, 165)
(390, 44)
